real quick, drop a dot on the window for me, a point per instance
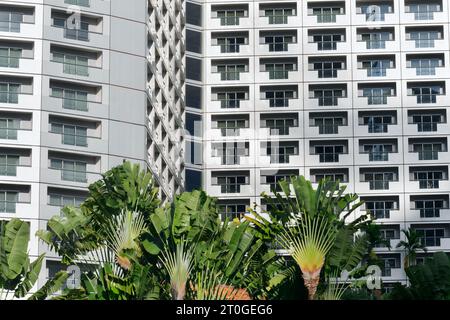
(430, 208)
(335, 177)
(81, 34)
(279, 70)
(9, 128)
(377, 95)
(231, 100)
(8, 201)
(328, 125)
(72, 99)
(82, 3)
(431, 237)
(424, 39)
(193, 13)
(65, 200)
(9, 92)
(378, 152)
(327, 41)
(426, 94)
(10, 57)
(232, 211)
(328, 97)
(327, 15)
(73, 64)
(231, 152)
(230, 128)
(427, 122)
(379, 181)
(71, 135)
(378, 124)
(387, 235)
(425, 66)
(278, 43)
(328, 69)
(230, 17)
(279, 99)
(428, 151)
(70, 170)
(231, 184)
(278, 15)
(389, 264)
(376, 68)
(8, 165)
(279, 126)
(380, 209)
(281, 153)
(10, 20)
(230, 44)
(428, 179)
(329, 153)
(231, 71)
(375, 11)
(376, 40)
(273, 181)
(424, 11)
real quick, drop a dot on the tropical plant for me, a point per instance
(428, 281)
(412, 244)
(313, 223)
(17, 274)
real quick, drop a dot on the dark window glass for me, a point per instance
(194, 124)
(194, 69)
(193, 97)
(193, 14)
(193, 41)
(193, 180)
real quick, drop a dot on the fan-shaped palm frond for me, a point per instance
(309, 240)
(178, 264)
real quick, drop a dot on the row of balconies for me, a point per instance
(402, 182)
(346, 12)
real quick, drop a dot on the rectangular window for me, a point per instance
(427, 123)
(379, 181)
(431, 237)
(377, 95)
(425, 39)
(328, 69)
(9, 128)
(231, 184)
(73, 64)
(58, 200)
(279, 127)
(230, 100)
(273, 181)
(430, 208)
(424, 11)
(70, 170)
(71, 135)
(278, 43)
(231, 71)
(376, 68)
(279, 99)
(232, 211)
(10, 20)
(231, 128)
(376, 40)
(72, 99)
(326, 15)
(328, 125)
(327, 41)
(378, 124)
(278, 15)
(10, 57)
(378, 152)
(231, 44)
(81, 33)
(279, 70)
(428, 179)
(8, 201)
(8, 165)
(329, 153)
(380, 209)
(328, 97)
(230, 17)
(426, 67)
(428, 151)
(281, 153)
(9, 92)
(426, 94)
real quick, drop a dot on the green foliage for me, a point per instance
(429, 281)
(17, 274)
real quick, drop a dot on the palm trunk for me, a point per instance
(311, 280)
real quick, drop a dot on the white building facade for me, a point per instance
(352, 90)
(85, 85)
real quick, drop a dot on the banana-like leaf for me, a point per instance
(13, 247)
(51, 286)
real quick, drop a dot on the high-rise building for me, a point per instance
(85, 85)
(352, 90)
